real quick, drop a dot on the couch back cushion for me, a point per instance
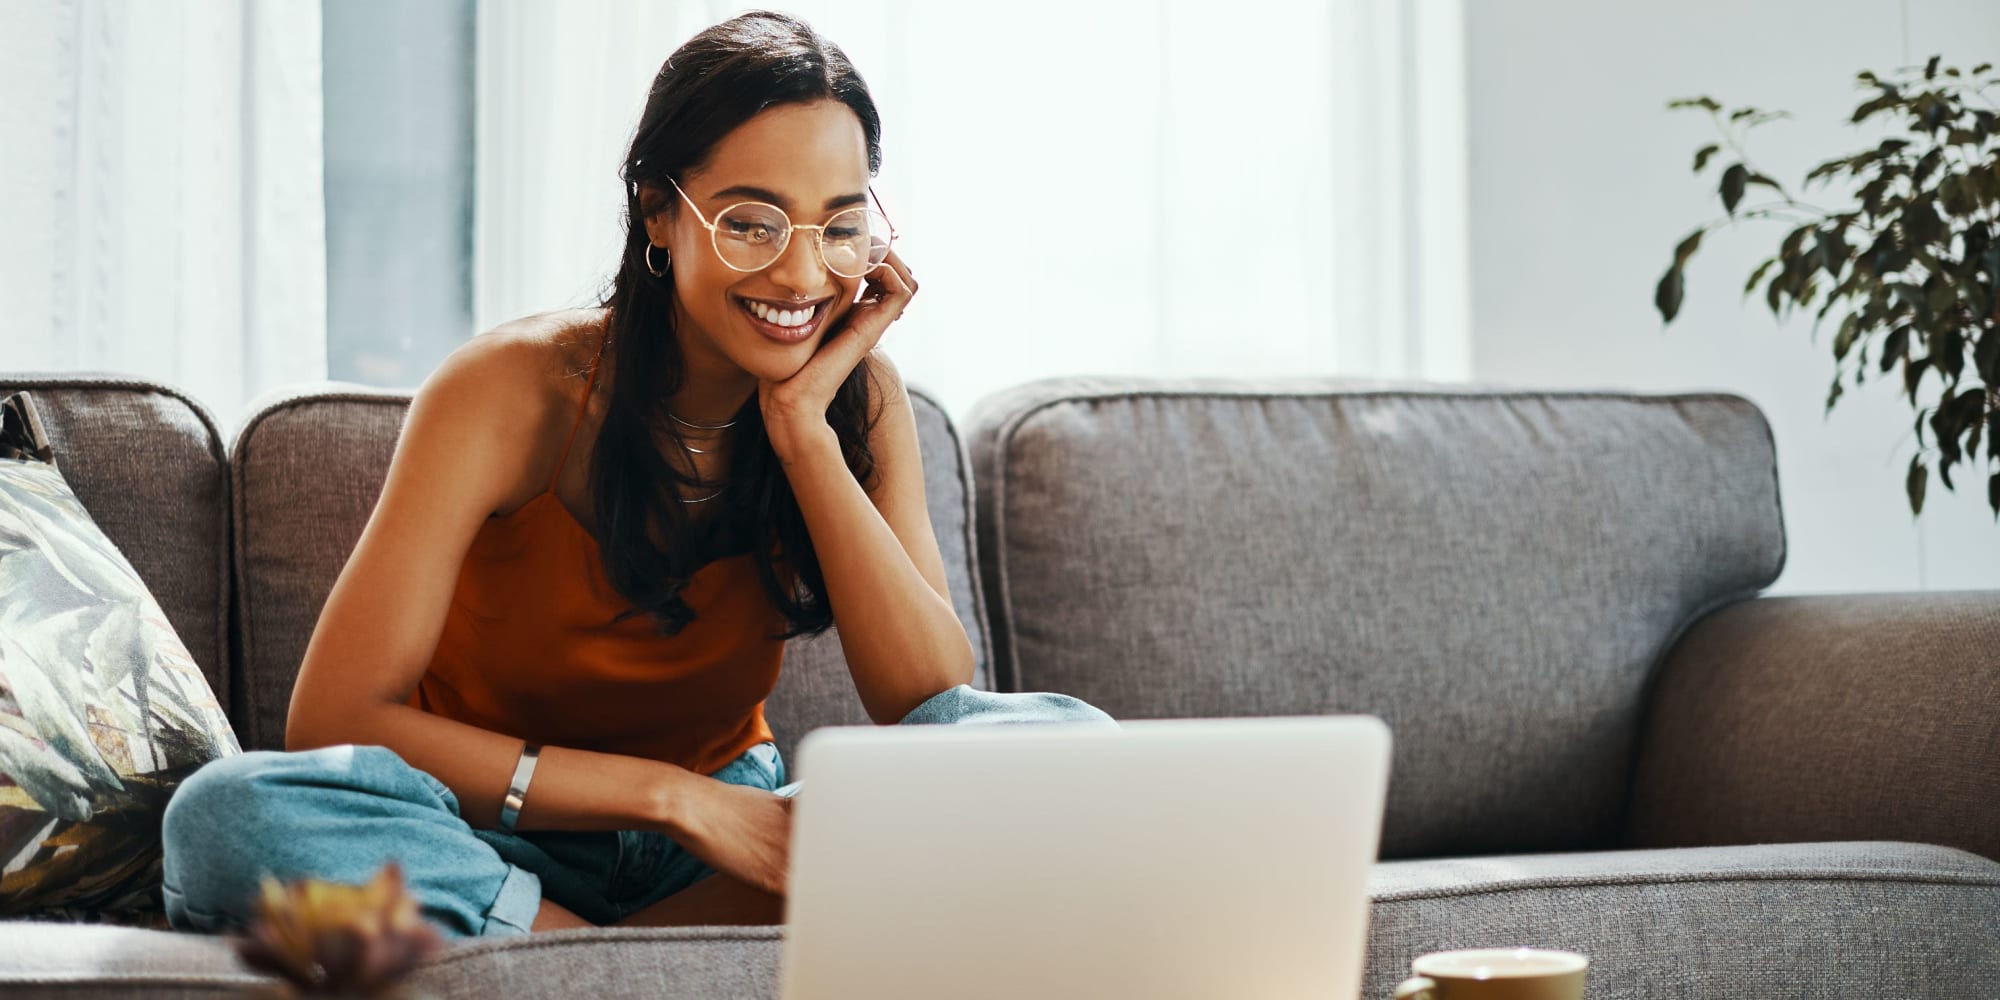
(1492, 572)
(309, 465)
(147, 462)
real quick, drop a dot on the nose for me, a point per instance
(799, 267)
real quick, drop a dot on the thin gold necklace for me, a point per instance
(699, 427)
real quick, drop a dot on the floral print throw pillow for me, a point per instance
(102, 710)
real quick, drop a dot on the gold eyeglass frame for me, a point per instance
(819, 231)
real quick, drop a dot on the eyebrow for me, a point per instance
(760, 194)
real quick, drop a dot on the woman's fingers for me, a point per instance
(888, 290)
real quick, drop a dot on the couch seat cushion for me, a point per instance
(1862, 919)
(41, 959)
(45, 959)
(1803, 920)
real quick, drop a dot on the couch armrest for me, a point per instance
(1848, 717)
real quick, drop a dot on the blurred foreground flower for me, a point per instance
(328, 939)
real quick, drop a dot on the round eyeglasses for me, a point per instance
(751, 236)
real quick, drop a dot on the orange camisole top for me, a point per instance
(529, 647)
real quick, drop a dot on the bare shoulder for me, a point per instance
(529, 367)
(509, 395)
(892, 425)
(885, 384)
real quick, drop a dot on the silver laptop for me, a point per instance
(1159, 860)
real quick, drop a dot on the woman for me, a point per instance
(538, 682)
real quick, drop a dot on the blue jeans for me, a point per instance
(340, 812)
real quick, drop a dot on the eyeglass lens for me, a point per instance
(750, 236)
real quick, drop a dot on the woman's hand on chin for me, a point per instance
(794, 408)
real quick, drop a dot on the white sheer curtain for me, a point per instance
(1254, 188)
(163, 214)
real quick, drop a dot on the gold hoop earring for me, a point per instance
(661, 271)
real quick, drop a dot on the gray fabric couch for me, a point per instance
(1606, 740)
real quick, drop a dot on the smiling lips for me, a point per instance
(786, 325)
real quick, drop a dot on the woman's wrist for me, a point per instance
(667, 798)
(792, 443)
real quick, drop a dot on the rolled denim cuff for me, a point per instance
(514, 908)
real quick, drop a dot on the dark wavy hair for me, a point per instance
(717, 81)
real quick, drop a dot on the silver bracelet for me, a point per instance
(517, 790)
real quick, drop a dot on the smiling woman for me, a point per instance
(605, 630)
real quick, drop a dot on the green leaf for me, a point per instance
(1701, 156)
(1688, 247)
(1986, 357)
(1913, 376)
(1667, 297)
(1833, 249)
(1766, 181)
(1833, 394)
(1940, 298)
(1871, 195)
(1894, 348)
(1921, 222)
(1873, 106)
(1993, 494)
(1886, 255)
(1981, 68)
(1914, 485)
(1707, 103)
(1930, 68)
(1935, 111)
(1773, 290)
(1966, 410)
(1945, 431)
(1828, 169)
(1850, 328)
(1790, 247)
(1733, 180)
(1957, 197)
(1758, 275)
(1927, 163)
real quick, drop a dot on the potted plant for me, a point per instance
(326, 939)
(1911, 264)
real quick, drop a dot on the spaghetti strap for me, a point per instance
(578, 422)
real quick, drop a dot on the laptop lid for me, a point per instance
(1161, 859)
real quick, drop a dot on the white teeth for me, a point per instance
(779, 317)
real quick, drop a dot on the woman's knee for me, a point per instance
(207, 835)
(260, 812)
(967, 705)
(218, 797)
(237, 811)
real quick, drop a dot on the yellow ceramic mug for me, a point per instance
(1496, 974)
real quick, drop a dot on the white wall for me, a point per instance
(1076, 183)
(1580, 188)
